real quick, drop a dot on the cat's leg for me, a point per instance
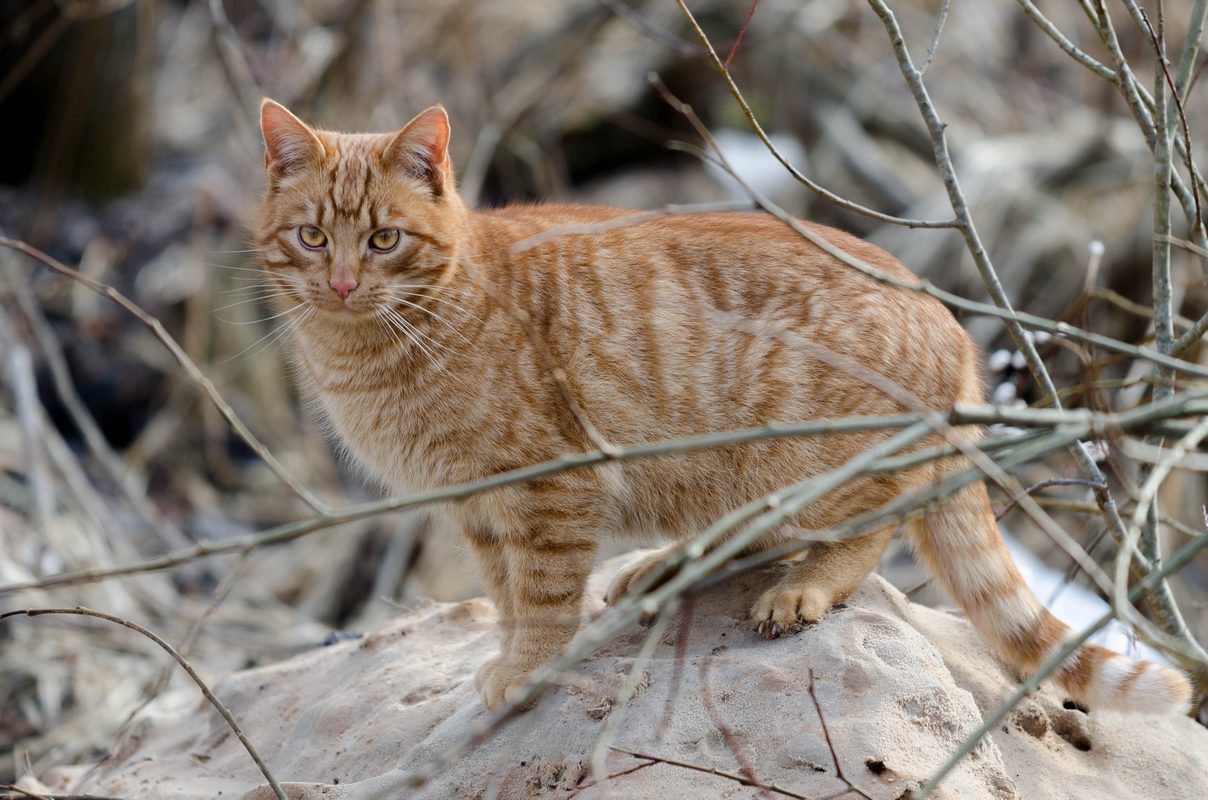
(547, 573)
(493, 567)
(831, 572)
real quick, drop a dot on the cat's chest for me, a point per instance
(387, 425)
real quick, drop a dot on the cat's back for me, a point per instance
(704, 299)
(746, 263)
(623, 238)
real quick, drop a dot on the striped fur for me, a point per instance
(440, 365)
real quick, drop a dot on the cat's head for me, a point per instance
(352, 222)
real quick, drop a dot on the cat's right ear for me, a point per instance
(289, 144)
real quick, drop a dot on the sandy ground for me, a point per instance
(899, 686)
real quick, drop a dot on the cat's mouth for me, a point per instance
(352, 305)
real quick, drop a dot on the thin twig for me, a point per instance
(935, 37)
(1072, 50)
(727, 733)
(611, 775)
(1159, 46)
(797, 174)
(741, 33)
(219, 594)
(734, 776)
(179, 659)
(1044, 484)
(831, 745)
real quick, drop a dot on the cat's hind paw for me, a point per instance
(634, 574)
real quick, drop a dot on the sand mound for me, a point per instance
(899, 686)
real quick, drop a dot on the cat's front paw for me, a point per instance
(499, 681)
(786, 610)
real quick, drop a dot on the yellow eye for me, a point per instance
(312, 237)
(384, 240)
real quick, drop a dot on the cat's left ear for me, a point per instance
(422, 149)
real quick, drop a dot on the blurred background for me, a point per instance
(131, 151)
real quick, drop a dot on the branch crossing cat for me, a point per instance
(405, 310)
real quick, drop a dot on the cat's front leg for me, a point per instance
(547, 572)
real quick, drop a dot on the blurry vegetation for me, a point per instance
(131, 152)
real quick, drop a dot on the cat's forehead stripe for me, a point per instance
(348, 187)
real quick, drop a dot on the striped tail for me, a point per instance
(963, 549)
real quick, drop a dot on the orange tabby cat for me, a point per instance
(405, 309)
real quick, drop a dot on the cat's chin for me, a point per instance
(340, 314)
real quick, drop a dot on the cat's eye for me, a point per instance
(384, 240)
(311, 237)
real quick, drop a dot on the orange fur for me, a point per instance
(438, 368)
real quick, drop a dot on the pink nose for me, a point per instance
(343, 286)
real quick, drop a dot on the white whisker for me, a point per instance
(419, 332)
(274, 336)
(235, 269)
(258, 298)
(394, 329)
(390, 331)
(394, 290)
(255, 270)
(463, 290)
(432, 314)
(289, 310)
(404, 327)
(409, 330)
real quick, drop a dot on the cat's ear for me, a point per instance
(289, 144)
(422, 149)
